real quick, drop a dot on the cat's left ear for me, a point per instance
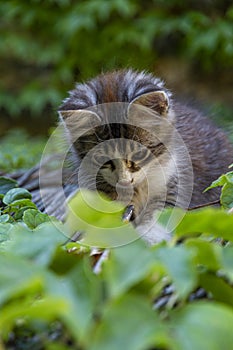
(157, 101)
(79, 122)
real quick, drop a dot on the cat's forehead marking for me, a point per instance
(119, 86)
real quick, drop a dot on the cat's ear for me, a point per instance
(79, 121)
(81, 116)
(157, 101)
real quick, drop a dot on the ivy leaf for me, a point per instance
(207, 254)
(19, 203)
(129, 322)
(226, 181)
(192, 324)
(100, 219)
(83, 289)
(211, 221)
(179, 263)
(19, 213)
(7, 184)
(48, 309)
(227, 262)
(15, 194)
(127, 266)
(4, 231)
(17, 277)
(226, 197)
(220, 290)
(38, 245)
(221, 181)
(5, 218)
(33, 218)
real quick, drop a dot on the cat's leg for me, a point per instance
(153, 233)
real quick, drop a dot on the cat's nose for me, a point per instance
(124, 183)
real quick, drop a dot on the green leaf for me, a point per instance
(221, 181)
(17, 277)
(226, 197)
(226, 181)
(127, 266)
(211, 221)
(4, 232)
(5, 218)
(207, 254)
(220, 290)
(227, 262)
(83, 289)
(179, 263)
(20, 211)
(100, 219)
(129, 323)
(16, 194)
(33, 218)
(202, 326)
(38, 245)
(18, 203)
(7, 184)
(48, 309)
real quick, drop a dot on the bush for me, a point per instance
(46, 45)
(19, 151)
(52, 298)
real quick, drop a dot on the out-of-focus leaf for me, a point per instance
(38, 245)
(207, 254)
(127, 266)
(227, 262)
(17, 276)
(100, 219)
(202, 326)
(83, 289)
(215, 222)
(129, 322)
(220, 290)
(48, 308)
(180, 266)
(5, 218)
(4, 232)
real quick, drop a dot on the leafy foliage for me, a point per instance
(19, 151)
(50, 43)
(48, 287)
(226, 181)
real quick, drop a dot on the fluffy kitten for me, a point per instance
(132, 141)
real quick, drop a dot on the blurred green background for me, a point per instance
(46, 46)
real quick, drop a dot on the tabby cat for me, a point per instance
(131, 140)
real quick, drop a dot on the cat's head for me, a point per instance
(120, 137)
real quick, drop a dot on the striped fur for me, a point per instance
(181, 144)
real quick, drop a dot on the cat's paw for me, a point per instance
(153, 234)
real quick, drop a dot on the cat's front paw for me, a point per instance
(153, 233)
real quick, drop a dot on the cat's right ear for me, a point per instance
(79, 122)
(158, 101)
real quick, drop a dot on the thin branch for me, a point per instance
(205, 205)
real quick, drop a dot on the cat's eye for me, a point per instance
(135, 167)
(132, 166)
(108, 165)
